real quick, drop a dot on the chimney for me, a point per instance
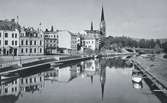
(12, 20)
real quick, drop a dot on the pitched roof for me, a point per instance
(9, 25)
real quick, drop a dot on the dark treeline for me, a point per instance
(109, 42)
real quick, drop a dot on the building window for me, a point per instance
(12, 89)
(12, 35)
(34, 50)
(0, 42)
(15, 81)
(15, 89)
(34, 42)
(26, 50)
(40, 78)
(12, 42)
(26, 81)
(40, 50)
(34, 79)
(40, 42)
(6, 90)
(6, 42)
(0, 34)
(30, 50)
(31, 42)
(22, 50)
(15, 42)
(6, 35)
(22, 42)
(30, 80)
(16, 35)
(26, 42)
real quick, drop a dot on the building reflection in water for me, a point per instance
(102, 79)
(13, 89)
(64, 74)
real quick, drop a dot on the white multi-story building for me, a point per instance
(91, 42)
(31, 41)
(9, 37)
(91, 39)
(67, 42)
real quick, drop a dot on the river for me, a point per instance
(106, 80)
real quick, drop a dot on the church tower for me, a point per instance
(91, 26)
(102, 24)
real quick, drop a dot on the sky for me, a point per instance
(132, 18)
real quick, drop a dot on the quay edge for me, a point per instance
(155, 80)
(44, 64)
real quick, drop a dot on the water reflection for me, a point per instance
(137, 79)
(116, 62)
(35, 82)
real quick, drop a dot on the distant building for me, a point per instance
(51, 41)
(9, 37)
(31, 41)
(67, 42)
(91, 39)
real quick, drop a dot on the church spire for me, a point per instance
(102, 14)
(102, 24)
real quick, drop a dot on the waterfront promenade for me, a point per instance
(156, 66)
(6, 61)
(37, 62)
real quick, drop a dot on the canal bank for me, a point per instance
(41, 62)
(155, 70)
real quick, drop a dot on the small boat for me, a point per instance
(137, 79)
(137, 85)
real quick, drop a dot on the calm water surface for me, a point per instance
(111, 80)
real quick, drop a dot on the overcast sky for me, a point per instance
(134, 18)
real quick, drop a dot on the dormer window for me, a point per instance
(6, 35)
